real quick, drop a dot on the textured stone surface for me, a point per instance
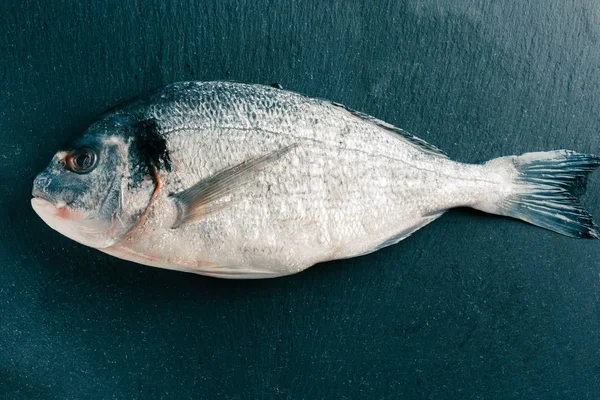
(472, 306)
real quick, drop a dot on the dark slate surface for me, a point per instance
(473, 306)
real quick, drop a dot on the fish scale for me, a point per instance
(250, 181)
(296, 213)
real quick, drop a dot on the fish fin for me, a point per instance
(237, 272)
(276, 85)
(542, 191)
(407, 232)
(201, 199)
(404, 233)
(415, 141)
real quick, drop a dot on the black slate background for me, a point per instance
(473, 306)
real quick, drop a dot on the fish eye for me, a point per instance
(81, 160)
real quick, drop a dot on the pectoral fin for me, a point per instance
(202, 198)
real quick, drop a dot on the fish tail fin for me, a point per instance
(539, 189)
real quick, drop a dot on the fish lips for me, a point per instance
(51, 203)
(44, 191)
(43, 196)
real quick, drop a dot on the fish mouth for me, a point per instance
(41, 197)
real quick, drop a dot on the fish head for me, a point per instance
(92, 192)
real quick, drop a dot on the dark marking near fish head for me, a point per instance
(152, 145)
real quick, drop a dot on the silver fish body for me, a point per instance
(262, 182)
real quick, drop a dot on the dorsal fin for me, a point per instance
(420, 143)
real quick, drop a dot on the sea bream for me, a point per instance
(235, 180)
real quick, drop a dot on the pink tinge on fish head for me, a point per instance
(73, 224)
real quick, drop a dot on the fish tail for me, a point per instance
(540, 189)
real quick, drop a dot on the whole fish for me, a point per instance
(248, 181)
